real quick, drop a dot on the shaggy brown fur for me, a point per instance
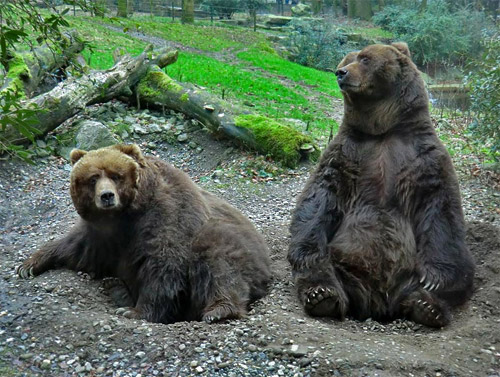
(378, 230)
(182, 253)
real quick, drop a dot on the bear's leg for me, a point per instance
(426, 308)
(118, 292)
(55, 254)
(321, 292)
(230, 271)
(225, 294)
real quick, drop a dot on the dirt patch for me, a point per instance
(62, 324)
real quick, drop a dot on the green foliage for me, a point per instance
(484, 83)
(281, 142)
(13, 114)
(435, 35)
(317, 44)
(24, 25)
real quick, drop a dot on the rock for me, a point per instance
(182, 137)
(301, 10)
(277, 20)
(297, 350)
(155, 128)
(93, 135)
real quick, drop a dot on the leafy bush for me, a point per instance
(317, 44)
(484, 83)
(436, 35)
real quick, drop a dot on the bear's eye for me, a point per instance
(93, 180)
(365, 59)
(115, 177)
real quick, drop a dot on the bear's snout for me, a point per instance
(341, 73)
(107, 198)
(106, 194)
(342, 77)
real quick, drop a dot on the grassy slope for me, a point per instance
(275, 87)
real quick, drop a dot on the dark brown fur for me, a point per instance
(378, 230)
(182, 253)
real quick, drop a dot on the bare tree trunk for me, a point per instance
(359, 9)
(123, 8)
(187, 11)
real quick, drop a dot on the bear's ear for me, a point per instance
(402, 47)
(133, 151)
(348, 59)
(75, 155)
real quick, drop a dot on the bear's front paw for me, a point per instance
(325, 302)
(26, 270)
(431, 278)
(128, 312)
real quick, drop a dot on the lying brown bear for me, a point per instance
(378, 230)
(182, 253)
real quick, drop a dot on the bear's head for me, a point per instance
(380, 84)
(105, 181)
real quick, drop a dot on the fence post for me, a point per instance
(172, 10)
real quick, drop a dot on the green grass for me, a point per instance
(199, 36)
(322, 81)
(240, 82)
(103, 42)
(267, 94)
(373, 32)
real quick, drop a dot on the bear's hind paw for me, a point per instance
(324, 302)
(222, 312)
(128, 312)
(429, 311)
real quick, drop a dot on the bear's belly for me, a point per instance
(374, 245)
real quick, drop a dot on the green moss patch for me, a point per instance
(18, 72)
(155, 83)
(281, 142)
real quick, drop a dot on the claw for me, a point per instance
(437, 286)
(30, 273)
(419, 301)
(321, 290)
(426, 286)
(439, 315)
(422, 279)
(120, 311)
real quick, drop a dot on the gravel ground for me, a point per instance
(62, 324)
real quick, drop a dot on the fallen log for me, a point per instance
(27, 69)
(267, 136)
(71, 96)
(141, 80)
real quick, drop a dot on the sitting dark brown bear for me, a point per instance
(378, 230)
(182, 253)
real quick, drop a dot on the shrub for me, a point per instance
(317, 44)
(435, 36)
(484, 83)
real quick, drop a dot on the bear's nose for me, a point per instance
(341, 74)
(107, 198)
